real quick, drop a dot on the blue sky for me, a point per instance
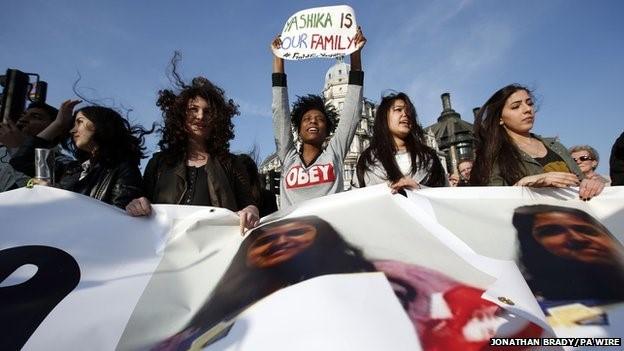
(570, 52)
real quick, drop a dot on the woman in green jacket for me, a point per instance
(509, 154)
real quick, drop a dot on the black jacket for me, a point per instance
(228, 184)
(116, 185)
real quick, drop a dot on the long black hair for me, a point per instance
(382, 147)
(242, 284)
(557, 278)
(493, 144)
(116, 139)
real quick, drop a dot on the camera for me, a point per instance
(19, 87)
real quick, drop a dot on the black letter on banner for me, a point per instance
(24, 306)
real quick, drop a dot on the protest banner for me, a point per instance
(72, 269)
(318, 32)
(569, 251)
(363, 269)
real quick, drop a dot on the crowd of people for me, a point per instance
(565, 253)
(98, 151)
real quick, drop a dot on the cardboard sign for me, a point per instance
(318, 32)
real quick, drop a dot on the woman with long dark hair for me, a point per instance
(398, 153)
(107, 148)
(507, 153)
(314, 169)
(194, 165)
(566, 254)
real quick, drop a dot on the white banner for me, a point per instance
(366, 270)
(318, 32)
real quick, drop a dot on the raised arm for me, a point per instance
(280, 105)
(63, 122)
(352, 109)
(24, 158)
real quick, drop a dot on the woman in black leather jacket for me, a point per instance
(195, 166)
(107, 149)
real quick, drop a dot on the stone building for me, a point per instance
(335, 91)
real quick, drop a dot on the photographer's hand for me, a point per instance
(10, 135)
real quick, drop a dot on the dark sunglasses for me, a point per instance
(583, 159)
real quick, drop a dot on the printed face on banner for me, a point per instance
(439, 291)
(571, 261)
(567, 254)
(568, 236)
(318, 32)
(275, 245)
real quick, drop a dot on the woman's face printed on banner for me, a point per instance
(279, 244)
(569, 236)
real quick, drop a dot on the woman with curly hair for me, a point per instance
(398, 152)
(194, 166)
(314, 169)
(107, 149)
(509, 154)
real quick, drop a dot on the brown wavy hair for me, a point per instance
(173, 104)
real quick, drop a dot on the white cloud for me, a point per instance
(247, 108)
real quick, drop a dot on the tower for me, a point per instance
(454, 135)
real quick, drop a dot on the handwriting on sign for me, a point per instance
(319, 32)
(331, 42)
(317, 20)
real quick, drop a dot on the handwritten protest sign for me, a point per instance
(318, 32)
